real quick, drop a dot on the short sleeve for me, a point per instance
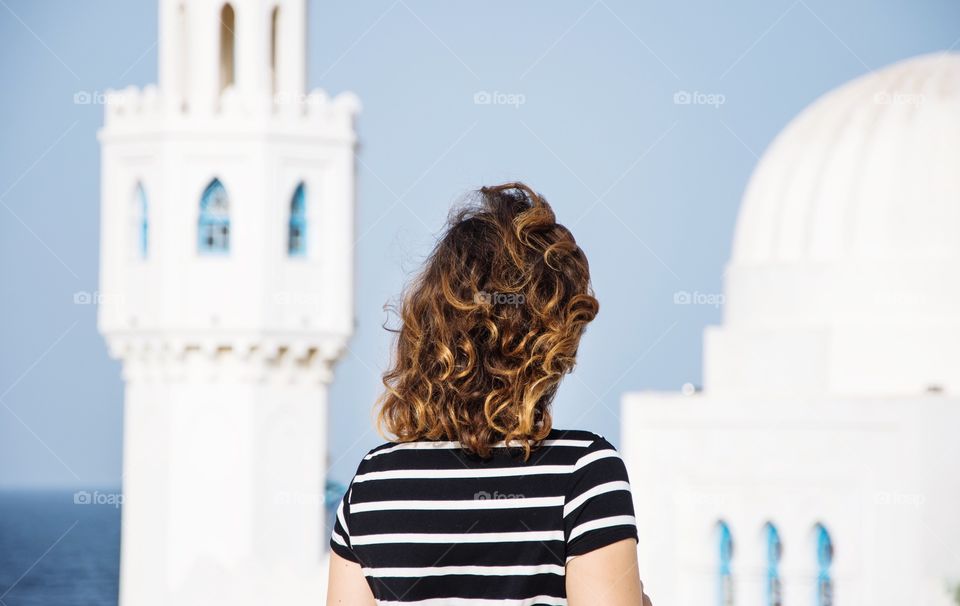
(340, 537)
(598, 509)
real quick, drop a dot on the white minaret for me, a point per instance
(227, 292)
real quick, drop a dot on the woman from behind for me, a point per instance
(478, 499)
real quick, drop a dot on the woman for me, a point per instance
(478, 499)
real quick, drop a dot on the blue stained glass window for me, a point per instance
(143, 225)
(774, 595)
(213, 231)
(824, 560)
(297, 229)
(725, 575)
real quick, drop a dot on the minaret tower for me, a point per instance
(227, 293)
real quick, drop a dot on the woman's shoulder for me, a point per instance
(557, 437)
(561, 446)
(587, 440)
(383, 454)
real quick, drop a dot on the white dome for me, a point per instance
(847, 247)
(869, 171)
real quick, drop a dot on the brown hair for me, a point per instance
(490, 326)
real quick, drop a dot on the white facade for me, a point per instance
(832, 388)
(227, 350)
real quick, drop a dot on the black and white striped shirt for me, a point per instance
(430, 524)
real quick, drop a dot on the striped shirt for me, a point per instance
(431, 524)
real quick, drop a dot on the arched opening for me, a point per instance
(724, 564)
(824, 561)
(213, 228)
(774, 547)
(274, 32)
(183, 57)
(227, 47)
(297, 227)
(141, 226)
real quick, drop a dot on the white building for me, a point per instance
(227, 292)
(830, 410)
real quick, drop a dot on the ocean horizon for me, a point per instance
(59, 546)
(62, 545)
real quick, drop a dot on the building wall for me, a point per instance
(227, 356)
(880, 475)
(223, 479)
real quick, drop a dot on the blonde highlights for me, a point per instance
(490, 326)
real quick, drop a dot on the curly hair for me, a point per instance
(489, 327)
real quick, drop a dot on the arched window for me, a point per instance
(774, 551)
(824, 560)
(724, 560)
(141, 220)
(213, 229)
(227, 47)
(274, 31)
(297, 228)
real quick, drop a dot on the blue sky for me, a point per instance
(586, 114)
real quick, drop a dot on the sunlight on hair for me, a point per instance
(490, 326)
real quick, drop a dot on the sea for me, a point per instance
(59, 547)
(62, 547)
